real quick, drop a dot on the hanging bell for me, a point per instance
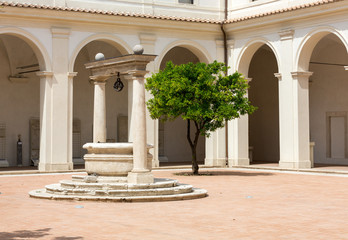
(118, 85)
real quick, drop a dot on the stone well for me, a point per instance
(111, 159)
(119, 171)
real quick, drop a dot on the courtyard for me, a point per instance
(242, 204)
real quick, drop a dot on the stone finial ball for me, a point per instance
(99, 56)
(138, 49)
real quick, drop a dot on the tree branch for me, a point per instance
(188, 135)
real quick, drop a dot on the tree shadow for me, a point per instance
(67, 238)
(224, 173)
(27, 234)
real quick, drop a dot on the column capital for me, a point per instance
(72, 74)
(137, 73)
(100, 78)
(286, 34)
(44, 74)
(278, 75)
(297, 75)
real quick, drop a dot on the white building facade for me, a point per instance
(293, 52)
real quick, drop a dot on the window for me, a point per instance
(186, 1)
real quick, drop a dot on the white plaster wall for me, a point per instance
(238, 8)
(200, 8)
(19, 102)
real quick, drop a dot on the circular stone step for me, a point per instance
(158, 183)
(57, 189)
(196, 193)
(160, 190)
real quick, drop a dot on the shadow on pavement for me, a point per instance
(27, 234)
(225, 173)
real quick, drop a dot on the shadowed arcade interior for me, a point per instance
(173, 145)
(263, 93)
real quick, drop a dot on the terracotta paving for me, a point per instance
(242, 204)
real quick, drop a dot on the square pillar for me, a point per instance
(237, 129)
(56, 107)
(293, 109)
(238, 141)
(215, 145)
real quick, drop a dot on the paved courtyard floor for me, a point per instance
(242, 204)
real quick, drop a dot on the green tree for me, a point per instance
(199, 93)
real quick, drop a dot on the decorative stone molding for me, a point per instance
(278, 75)
(147, 38)
(286, 35)
(298, 75)
(60, 32)
(219, 43)
(230, 44)
(71, 75)
(18, 79)
(44, 74)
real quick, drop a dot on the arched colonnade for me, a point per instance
(291, 54)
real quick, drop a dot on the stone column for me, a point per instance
(71, 76)
(140, 172)
(45, 120)
(130, 105)
(152, 126)
(99, 113)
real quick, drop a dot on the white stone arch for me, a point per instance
(308, 43)
(193, 46)
(35, 44)
(121, 45)
(248, 51)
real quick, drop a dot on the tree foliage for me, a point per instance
(200, 93)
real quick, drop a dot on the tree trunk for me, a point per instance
(193, 146)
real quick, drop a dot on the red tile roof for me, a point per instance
(163, 17)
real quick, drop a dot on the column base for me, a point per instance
(78, 161)
(217, 162)
(163, 159)
(140, 177)
(4, 163)
(238, 162)
(155, 163)
(295, 165)
(46, 167)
